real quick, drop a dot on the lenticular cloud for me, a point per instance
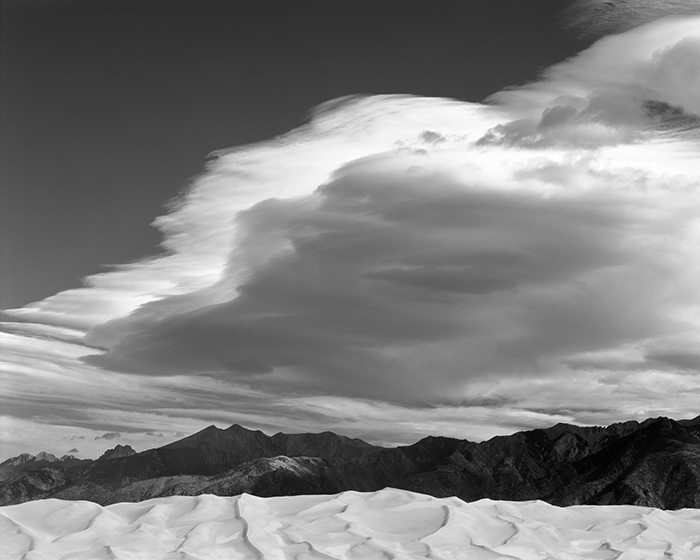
(422, 250)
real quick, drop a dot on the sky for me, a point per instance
(388, 219)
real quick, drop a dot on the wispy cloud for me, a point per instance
(109, 435)
(403, 266)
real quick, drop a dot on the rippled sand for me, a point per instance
(375, 525)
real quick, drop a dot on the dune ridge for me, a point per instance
(387, 524)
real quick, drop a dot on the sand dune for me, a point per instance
(375, 525)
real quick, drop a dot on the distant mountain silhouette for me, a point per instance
(654, 463)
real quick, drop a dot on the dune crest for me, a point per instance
(383, 525)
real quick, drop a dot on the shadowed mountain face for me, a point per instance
(655, 463)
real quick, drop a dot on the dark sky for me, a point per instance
(109, 108)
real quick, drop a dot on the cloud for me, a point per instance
(600, 119)
(401, 266)
(597, 18)
(74, 450)
(385, 273)
(604, 96)
(109, 435)
(673, 75)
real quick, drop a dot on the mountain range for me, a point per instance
(654, 463)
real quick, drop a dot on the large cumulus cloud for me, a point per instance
(404, 279)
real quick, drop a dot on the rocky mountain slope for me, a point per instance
(654, 463)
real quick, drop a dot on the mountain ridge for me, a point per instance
(654, 463)
(29, 458)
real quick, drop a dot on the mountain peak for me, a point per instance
(27, 457)
(44, 456)
(116, 452)
(22, 458)
(237, 428)
(195, 440)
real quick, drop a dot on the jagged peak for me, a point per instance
(117, 452)
(28, 457)
(18, 460)
(44, 456)
(659, 421)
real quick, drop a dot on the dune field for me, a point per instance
(375, 525)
